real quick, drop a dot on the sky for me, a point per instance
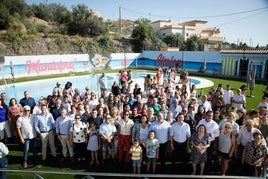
(243, 21)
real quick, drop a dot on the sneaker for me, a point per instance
(79, 159)
(97, 162)
(25, 165)
(83, 158)
(92, 162)
(72, 159)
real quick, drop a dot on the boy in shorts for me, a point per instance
(152, 151)
(136, 157)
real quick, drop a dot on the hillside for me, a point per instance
(33, 42)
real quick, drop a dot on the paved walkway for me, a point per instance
(204, 83)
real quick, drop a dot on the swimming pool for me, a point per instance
(44, 88)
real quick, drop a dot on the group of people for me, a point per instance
(164, 122)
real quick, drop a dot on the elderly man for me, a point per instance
(245, 135)
(230, 118)
(180, 139)
(27, 134)
(107, 133)
(63, 125)
(162, 131)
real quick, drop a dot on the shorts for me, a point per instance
(106, 145)
(136, 163)
(151, 160)
(225, 156)
(5, 129)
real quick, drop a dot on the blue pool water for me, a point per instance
(44, 87)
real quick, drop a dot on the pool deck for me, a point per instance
(204, 83)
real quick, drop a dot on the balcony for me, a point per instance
(214, 39)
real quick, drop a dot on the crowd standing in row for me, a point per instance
(165, 121)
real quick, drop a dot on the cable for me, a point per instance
(196, 17)
(241, 18)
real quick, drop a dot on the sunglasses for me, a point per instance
(26, 110)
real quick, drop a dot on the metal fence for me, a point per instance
(90, 175)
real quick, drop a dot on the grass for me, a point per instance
(16, 150)
(251, 103)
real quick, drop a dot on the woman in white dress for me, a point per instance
(93, 143)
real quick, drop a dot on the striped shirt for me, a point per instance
(136, 152)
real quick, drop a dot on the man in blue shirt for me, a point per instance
(27, 100)
(44, 126)
(63, 125)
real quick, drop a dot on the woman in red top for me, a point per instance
(14, 112)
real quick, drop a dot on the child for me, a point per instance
(136, 157)
(93, 143)
(152, 150)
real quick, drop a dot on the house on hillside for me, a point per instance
(210, 36)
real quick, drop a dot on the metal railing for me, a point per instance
(90, 175)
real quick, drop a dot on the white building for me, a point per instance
(210, 36)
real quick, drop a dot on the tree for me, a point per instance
(16, 6)
(61, 14)
(4, 17)
(85, 23)
(174, 40)
(144, 37)
(42, 11)
(194, 43)
(12, 8)
(105, 43)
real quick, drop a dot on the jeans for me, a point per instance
(29, 142)
(3, 165)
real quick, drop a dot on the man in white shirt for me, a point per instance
(239, 100)
(107, 132)
(162, 130)
(180, 134)
(228, 96)
(245, 135)
(230, 118)
(175, 108)
(204, 102)
(27, 134)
